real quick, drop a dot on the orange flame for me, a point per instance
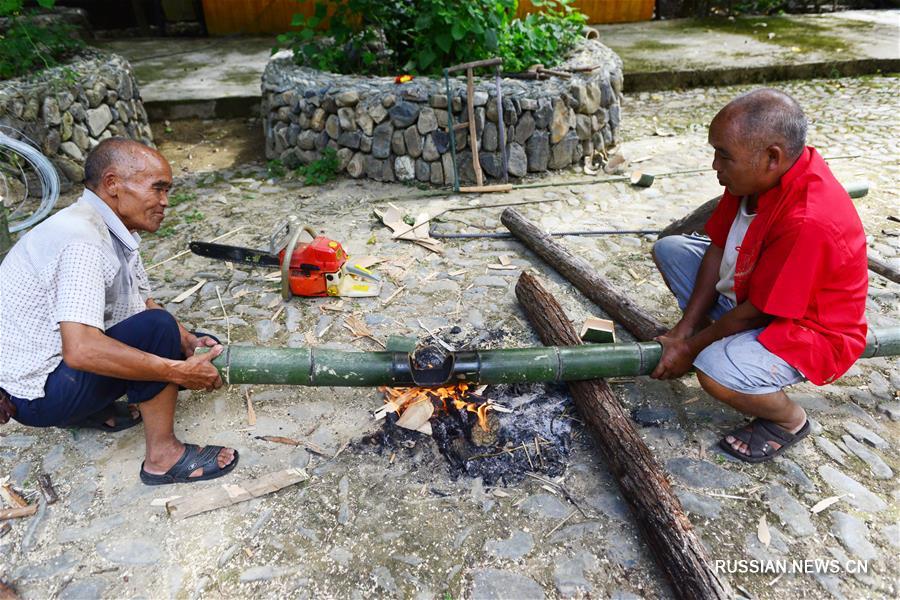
(403, 398)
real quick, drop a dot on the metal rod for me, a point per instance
(326, 367)
(452, 133)
(507, 235)
(501, 126)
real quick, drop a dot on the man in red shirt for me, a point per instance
(777, 293)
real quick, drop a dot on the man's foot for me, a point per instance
(762, 440)
(192, 463)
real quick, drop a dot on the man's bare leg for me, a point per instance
(163, 448)
(775, 407)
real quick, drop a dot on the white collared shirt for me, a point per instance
(80, 265)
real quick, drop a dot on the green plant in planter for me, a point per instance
(423, 36)
(25, 47)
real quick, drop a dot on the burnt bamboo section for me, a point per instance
(584, 276)
(643, 483)
(338, 368)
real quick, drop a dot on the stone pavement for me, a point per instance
(368, 524)
(219, 77)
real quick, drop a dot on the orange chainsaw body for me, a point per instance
(314, 266)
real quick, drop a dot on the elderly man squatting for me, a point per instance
(776, 294)
(80, 330)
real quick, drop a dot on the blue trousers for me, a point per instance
(71, 395)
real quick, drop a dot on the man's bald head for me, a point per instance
(766, 116)
(126, 157)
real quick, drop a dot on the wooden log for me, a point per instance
(583, 275)
(47, 488)
(643, 483)
(884, 269)
(694, 222)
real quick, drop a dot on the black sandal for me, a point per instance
(757, 435)
(119, 411)
(192, 459)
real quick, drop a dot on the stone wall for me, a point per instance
(388, 131)
(68, 109)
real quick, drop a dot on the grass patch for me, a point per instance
(180, 198)
(165, 231)
(320, 171)
(791, 33)
(193, 216)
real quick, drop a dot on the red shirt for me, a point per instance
(803, 261)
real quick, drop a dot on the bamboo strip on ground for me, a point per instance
(643, 483)
(227, 494)
(585, 277)
(18, 512)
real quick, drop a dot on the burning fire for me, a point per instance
(416, 405)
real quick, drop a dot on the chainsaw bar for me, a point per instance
(248, 256)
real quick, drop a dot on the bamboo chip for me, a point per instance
(18, 512)
(224, 314)
(251, 412)
(188, 292)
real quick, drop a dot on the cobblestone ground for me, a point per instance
(364, 525)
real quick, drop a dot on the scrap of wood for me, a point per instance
(5, 528)
(18, 512)
(47, 490)
(188, 251)
(358, 328)
(277, 439)
(11, 497)
(251, 412)
(366, 261)
(503, 267)
(188, 292)
(7, 592)
(392, 218)
(503, 260)
(396, 293)
(233, 493)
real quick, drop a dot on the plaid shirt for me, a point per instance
(80, 265)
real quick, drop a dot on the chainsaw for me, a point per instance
(317, 268)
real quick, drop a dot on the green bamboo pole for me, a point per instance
(338, 368)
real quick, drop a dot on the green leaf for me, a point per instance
(458, 31)
(444, 42)
(48, 4)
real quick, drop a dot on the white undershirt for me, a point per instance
(732, 246)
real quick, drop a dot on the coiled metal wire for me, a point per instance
(12, 153)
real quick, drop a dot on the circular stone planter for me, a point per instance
(68, 109)
(388, 131)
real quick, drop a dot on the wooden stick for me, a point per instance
(462, 208)
(473, 135)
(643, 483)
(488, 62)
(292, 442)
(584, 276)
(224, 314)
(180, 254)
(12, 497)
(18, 512)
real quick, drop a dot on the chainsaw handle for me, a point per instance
(288, 255)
